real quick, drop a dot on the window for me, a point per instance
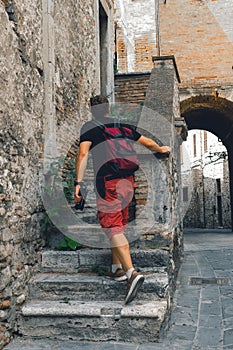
(218, 184)
(194, 145)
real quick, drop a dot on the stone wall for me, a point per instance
(162, 118)
(158, 213)
(48, 70)
(204, 208)
(21, 150)
(226, 200)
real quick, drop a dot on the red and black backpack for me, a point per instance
(119, 158)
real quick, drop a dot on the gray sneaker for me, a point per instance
(119, 275)
(134, 283)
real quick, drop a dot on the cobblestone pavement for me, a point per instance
(202, 318)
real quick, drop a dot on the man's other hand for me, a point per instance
(77, 196)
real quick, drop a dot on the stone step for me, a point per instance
(50, 344)
(93, 236)
(93, 287)
(85, 259)
(140, 321)
(140, 233)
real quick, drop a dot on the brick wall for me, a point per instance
(131, 88)
(199, 34)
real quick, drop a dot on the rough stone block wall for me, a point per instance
(157, 180)
(203, 208)
(21, 150)
(58, 78)
(75, 53)
(194, 214)
(210, 204)
(163, 99)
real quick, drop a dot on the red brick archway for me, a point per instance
(214, 114)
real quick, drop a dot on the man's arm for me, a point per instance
(81, 164)
(152, 145)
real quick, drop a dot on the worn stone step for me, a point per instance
(93, 287)
(85, 259)
(141, 233)
(159, 238)
(50, 344)
(140, 321)
(92, 235)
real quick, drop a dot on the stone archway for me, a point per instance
(214, 114)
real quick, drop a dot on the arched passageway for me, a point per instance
(214, 114)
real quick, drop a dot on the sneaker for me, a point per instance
(134, 283)
(119, 275)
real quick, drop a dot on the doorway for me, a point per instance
(213, 114)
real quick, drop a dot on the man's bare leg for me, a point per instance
(120, 251)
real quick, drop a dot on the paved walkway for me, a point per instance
(202, 318)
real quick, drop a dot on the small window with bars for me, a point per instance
(194, 145)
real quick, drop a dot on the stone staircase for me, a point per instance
(69, 300)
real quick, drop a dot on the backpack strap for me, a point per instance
(116, 123)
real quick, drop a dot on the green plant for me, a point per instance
(56, 180)
(97, 269)
(66, 300)
(68, 244)
(45, 223)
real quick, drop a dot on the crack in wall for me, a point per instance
(22, 44)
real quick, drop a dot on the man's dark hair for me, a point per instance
(99, 106)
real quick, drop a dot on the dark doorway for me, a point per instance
(103, 49)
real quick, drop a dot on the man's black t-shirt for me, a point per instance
(93, 133)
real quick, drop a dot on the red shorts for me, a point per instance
(113, 209)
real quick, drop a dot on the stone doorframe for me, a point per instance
(105, 73)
